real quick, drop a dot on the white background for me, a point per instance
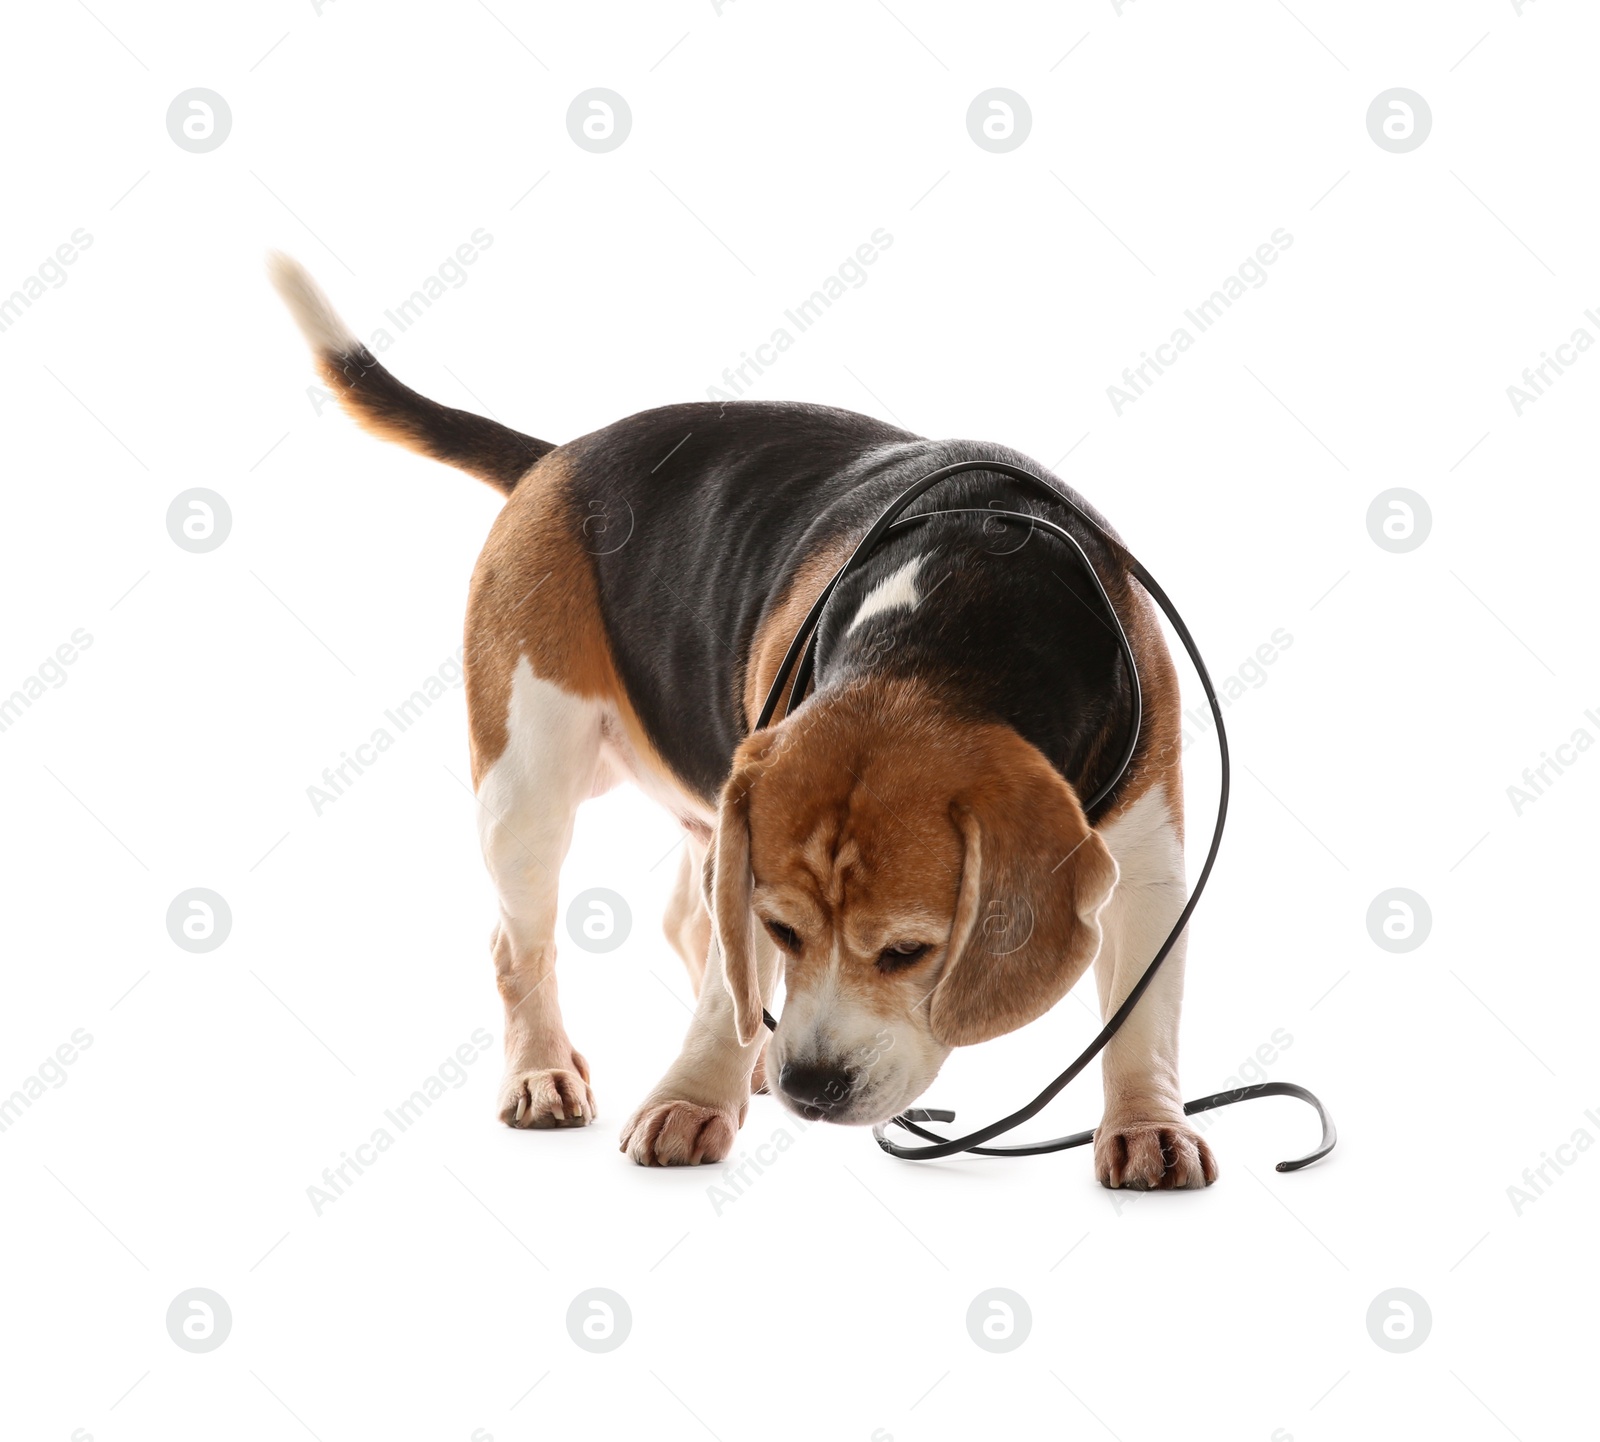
(829, 1298)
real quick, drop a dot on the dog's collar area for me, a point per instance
(1102, 793)
(802, 651)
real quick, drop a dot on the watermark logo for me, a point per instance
(50, 272)
(50, 1073)
(1399, 920)
(851, 274)
(599, 920)
(1005, 536)
(1399, 120)
(199, 120)
(337, 780)
(1399, 1320)
(51, 673)
(1399, 520)
(199, 520)
(1251, 275)
(199, 920)
(599, 1320)
(1537, 1180)
(1536, 780)
(1250, 675)
(199, 1320)
(449, 1075)
(1007, 925)
(999, 120)
(1252, 1071)
(598, 120)
(607, 525)
(738, 1177)
(450, 274)
(999, 1320)
(1536, 380)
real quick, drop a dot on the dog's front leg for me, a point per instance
(1144, 1141)
(696, 1109)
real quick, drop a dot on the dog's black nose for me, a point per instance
(815, 1087)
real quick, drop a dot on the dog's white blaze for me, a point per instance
(811, 1021)
(900, 589)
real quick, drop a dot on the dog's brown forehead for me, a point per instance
(857, 842)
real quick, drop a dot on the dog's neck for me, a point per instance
(993, 624)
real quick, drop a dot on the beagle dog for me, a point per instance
(907, 850)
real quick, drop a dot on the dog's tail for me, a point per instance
(392, 411)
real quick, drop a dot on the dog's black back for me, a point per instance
(700, 515)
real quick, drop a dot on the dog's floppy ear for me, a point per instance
(728, 887)
(1034, 877)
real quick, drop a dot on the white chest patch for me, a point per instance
(1144, 843)
(900, 589)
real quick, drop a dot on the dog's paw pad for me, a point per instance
(679, 1134)
(540, 1100)
(1153, 1156)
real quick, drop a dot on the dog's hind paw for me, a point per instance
(547, 1098)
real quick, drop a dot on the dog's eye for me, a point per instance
(902, 954)
(786, 936)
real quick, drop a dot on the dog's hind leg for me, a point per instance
(687, 922)
(526, 803)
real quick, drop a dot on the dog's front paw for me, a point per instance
(680, 1134)
(549, 1097)
(1151, 1156)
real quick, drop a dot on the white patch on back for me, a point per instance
(900, 589)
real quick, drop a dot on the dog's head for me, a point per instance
(929, 878)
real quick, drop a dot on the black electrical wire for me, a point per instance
(804, 642)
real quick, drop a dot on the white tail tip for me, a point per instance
(312, 310)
